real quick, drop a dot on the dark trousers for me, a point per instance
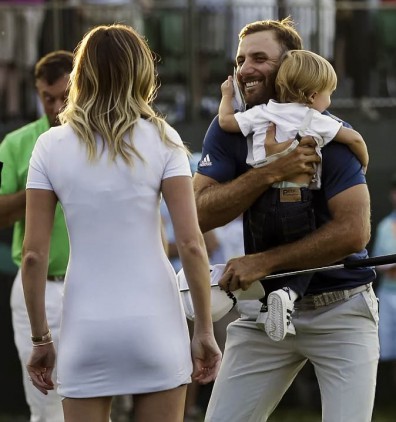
(281, 216)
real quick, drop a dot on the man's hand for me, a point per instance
(12, 208)
(297, 162)
(241, 272)
(219, 203)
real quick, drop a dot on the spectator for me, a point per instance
(51, 77)
(61, 27)
(99, 12)
(385, 244)
(21, 27)
(356, 27)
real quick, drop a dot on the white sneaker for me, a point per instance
(262, 317)
(280, 308)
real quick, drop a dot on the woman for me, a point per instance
(123, 328)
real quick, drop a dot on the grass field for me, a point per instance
(281, 415)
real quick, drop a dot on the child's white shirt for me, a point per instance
(288, 118)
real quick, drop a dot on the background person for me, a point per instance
(21, 28)
(336, 322)
(385, 244)
(108, 165)
(100, 12)
(51, 78)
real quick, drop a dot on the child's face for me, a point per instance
(321, 100)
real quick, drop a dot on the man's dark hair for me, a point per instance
(284, 30)
(53, 66)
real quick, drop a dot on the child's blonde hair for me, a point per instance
(302, 73)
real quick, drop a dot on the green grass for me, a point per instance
(299, 415)
(280, 415)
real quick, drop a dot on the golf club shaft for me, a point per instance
(357, 263)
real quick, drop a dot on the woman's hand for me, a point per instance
(40, 367)
(206, 357)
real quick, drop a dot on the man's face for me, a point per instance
(53, 97)
(258, 61)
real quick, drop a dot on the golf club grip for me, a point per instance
(371, 262)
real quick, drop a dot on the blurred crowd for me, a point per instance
(196, 41)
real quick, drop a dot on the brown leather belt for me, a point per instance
(327, 298)
(56, 277)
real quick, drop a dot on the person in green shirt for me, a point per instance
(51, 78)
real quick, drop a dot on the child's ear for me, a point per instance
(311, 97)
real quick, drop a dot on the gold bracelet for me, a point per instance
(40, 339)
(42, 344)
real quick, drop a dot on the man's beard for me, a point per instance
(266, 93)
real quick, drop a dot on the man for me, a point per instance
(385, 243)
(336, 322)
(51, 78)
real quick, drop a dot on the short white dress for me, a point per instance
(123, 327)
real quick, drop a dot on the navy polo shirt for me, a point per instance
(224, 159)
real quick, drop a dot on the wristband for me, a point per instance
(43, 338)
(42, 344)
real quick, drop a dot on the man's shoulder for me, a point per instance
(224, 153)
(216, 136)
(333, 116)
(29, 132)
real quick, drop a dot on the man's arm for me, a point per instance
(12, 208)
(347, 232)
(220, 203)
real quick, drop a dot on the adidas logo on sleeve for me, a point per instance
(205, 162)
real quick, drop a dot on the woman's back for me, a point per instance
(116, 263)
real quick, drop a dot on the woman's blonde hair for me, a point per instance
(302, 73)
(112, 85)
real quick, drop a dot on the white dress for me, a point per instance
(123, 328)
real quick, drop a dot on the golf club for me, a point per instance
(358, 263)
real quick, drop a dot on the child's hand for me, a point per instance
(227, 88)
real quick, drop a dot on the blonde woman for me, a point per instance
(123, 328)
(304, 85)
